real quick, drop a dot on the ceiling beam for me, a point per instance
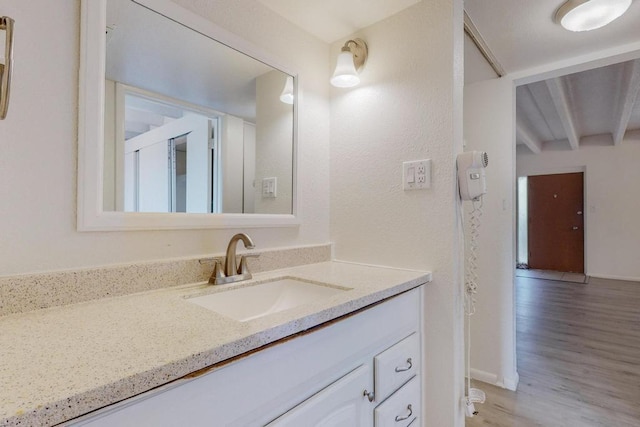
(560, 99)
(538, 94)
(525, 135)
(628, 95)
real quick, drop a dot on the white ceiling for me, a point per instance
(591, 107)
(522, 33)
(331, 20)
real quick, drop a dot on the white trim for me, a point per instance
(485, 377)
(90, 213)
(614, 277)
(511, 383)
(91, 111)
(553, 171)
(111, 221)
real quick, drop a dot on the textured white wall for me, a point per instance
(39, 143)
(489, 126)
(408, 107)
(612, 235)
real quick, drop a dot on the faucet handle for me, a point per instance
(243, 268)
(218, 273)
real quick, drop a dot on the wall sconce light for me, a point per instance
(586, 15)
(351, 59)
(287, 92)
(6, 24)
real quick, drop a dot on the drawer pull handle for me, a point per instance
(405, 417)
(370, 395)
(405, 368)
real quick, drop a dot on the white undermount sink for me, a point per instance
(250, 302)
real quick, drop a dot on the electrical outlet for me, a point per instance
(416, 175)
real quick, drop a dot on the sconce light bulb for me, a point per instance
(345, 74)
(287, 92)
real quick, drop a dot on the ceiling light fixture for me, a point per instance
(287, 92)
(351, 59)
(586, 15)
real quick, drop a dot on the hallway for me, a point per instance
(578, 349)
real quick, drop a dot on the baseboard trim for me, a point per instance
(510, 383)
(608, 276)
(485, 377)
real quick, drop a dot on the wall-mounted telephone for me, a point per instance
(471, 177)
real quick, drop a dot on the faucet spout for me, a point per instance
(231, 272)
(231, 264)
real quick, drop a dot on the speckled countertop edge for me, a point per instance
(62, 362)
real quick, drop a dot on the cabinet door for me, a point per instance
(343, 403)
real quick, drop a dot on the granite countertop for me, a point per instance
(62, 362)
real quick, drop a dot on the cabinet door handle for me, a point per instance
(405, 417)
(369, 395)
(405, 368)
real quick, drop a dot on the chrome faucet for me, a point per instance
(232, 272)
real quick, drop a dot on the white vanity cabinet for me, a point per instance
(354, 371)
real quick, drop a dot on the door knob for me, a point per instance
(575, 228)
(579, 212)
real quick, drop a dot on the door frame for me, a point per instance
(558, 171)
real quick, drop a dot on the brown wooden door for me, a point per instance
(556, 222)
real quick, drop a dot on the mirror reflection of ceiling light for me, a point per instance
(351, 59)
(586, 15)
(287, 92)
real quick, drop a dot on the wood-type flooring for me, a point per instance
(578, 355)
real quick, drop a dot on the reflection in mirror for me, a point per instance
(191, 125)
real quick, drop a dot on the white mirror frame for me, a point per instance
(91, 216)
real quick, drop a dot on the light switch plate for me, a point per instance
(416, 175)
(269, 187)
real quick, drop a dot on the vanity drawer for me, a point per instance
(396, 365)
(402, 408)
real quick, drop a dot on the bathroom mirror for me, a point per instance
(182, 124)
